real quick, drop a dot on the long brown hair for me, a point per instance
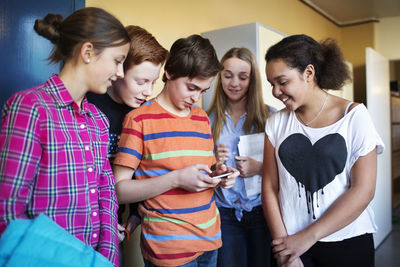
(257, 111)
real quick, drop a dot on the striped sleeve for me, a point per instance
(130, 146)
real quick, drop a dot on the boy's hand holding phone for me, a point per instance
(227, 175)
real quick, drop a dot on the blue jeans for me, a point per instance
(246, 242)
(207, 259)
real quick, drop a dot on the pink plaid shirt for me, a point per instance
(53, 160)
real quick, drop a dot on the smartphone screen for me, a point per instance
(224, 175)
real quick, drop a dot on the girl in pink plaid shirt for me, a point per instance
(53, 143)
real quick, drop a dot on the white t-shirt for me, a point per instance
(314, 167)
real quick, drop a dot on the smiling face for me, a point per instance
(235, 78)
(180, 94)
(105, 68)
(137, 85)
(288, 84)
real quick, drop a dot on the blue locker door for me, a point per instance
(23, 53)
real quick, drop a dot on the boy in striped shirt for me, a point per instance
(167, 143)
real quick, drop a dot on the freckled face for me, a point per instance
(138, 83)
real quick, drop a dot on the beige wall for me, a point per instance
(388, 38)
(169, 20)
(354, 41)
(388, 44)
(172, 19)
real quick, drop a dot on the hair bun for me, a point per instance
(49, 27)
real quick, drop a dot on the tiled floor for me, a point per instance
(388, 253)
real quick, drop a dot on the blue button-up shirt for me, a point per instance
(236, 196)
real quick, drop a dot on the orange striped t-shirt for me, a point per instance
(177, 226)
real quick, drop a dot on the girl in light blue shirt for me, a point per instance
(238, 109)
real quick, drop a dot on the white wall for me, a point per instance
(378, 104)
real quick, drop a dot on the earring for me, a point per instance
(88, 61)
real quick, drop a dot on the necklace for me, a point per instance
(316, 116)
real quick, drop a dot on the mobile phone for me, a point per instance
(224, 175)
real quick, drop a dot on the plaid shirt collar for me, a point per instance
(56, 88)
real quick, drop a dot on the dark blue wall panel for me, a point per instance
(23, 53)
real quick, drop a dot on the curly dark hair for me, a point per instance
(298, 51)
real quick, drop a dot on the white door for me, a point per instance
(378, 104)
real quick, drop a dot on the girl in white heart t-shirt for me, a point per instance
(320, 160)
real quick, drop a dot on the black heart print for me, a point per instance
(313, 166)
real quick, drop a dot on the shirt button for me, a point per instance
(87, 148)
(92, 191)
(82, 126)
(90, 169)
(94, 213)
(94, 235)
